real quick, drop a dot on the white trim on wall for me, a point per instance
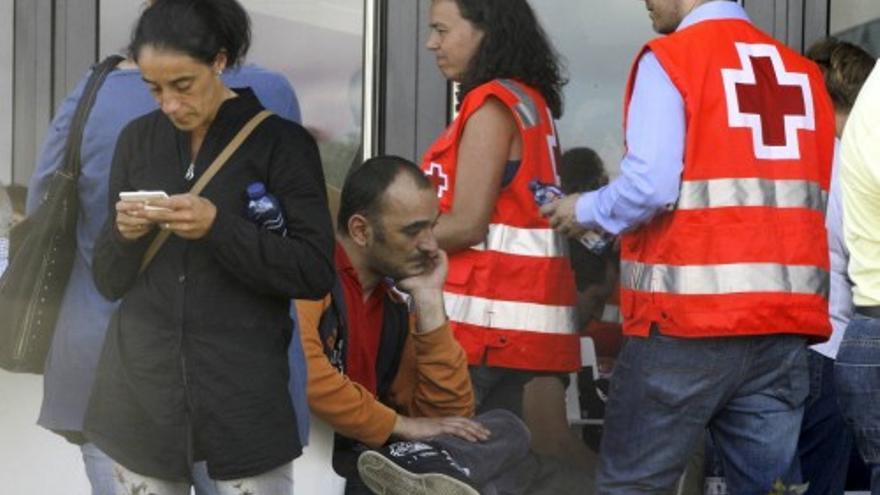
(7, 60)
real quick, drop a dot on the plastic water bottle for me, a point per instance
(265, 210)
(595, 242)
(5, 225)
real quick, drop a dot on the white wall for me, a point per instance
(7, 47)
(34, 461)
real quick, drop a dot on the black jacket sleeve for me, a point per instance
(300, 264)
(117, 260)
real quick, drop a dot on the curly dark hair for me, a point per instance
(514, 46)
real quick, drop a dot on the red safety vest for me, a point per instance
(743, 251)
(511, 298)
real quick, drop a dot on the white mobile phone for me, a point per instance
(144, 196)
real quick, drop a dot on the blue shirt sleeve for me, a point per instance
(282, 100)
(272, 89)
(840, 297)
(650, 173)
(51, 156)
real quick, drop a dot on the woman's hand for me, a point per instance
(186, 215)
(130, 221)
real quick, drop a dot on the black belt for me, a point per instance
(869, 311)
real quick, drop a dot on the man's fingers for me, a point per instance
(548, 209)
(468, 429)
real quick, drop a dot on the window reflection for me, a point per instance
(318, 45)
(599, 41)
(857, 21)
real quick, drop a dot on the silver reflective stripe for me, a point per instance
(526, 108)
(611, 314)
(720, 193)
(510, 315)
(543, 243)
(724, 279)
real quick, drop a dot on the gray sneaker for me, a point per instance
(414, 468)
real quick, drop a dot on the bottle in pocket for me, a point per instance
(265, 210)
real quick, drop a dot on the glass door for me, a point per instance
(7, 40)
(599, 41)
(318, 45)
(856, 21)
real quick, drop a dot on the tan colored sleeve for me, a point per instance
(433, 379)
(345, 405)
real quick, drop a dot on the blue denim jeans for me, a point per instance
(826, 441)
(748, 391)
(857, 376)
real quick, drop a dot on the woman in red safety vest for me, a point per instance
(510, 291)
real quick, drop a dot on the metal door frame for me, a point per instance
(7, 69)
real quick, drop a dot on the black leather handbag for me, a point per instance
(42, 250)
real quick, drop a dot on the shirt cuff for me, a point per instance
(132, 248)
(584, 209)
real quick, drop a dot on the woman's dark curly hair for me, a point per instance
(514, 46)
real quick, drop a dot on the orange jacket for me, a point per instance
(744, 250)
(432, 381)
(510, 299)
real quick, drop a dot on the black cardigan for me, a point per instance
(195, 361)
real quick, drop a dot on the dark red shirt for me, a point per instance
(364, 323)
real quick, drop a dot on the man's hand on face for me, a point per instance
(426, 290)
(426, 428)
(431, 279)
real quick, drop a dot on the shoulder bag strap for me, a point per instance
(206, 177)
(83, 108)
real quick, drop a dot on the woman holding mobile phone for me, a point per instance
(84, 314)
(194, 366)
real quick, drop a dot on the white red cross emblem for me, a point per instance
(771, 101)
(438, 178)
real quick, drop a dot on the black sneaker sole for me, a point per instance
(384, 477)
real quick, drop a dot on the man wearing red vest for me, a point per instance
(724, 260)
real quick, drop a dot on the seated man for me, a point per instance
(379, 369)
